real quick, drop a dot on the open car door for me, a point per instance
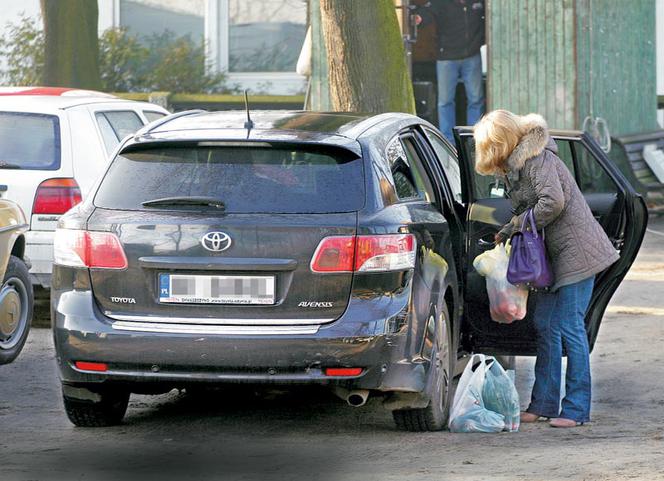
(615, 204)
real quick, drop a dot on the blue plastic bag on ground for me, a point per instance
(469, 413)
(500, 395)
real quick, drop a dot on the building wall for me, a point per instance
(256, 43)
(660, 56)
(616, 64)
(531, 58)
(570, 59)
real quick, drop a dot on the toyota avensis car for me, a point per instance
(16, 300)
(298, 248)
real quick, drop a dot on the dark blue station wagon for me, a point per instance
(322, 248)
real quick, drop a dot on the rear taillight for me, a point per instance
(365, 253)
(78, 248)
(385, 253)
(334, 254)
(56, 196)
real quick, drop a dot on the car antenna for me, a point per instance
(249, 124)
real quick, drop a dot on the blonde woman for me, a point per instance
(519, 150)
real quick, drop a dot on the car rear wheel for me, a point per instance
(435, 415)
(16, 304)
(108, 409)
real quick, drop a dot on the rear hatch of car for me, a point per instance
(224, 234)
(34, 167)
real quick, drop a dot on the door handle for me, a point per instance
(485, 244)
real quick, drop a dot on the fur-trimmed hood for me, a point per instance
(532, 143)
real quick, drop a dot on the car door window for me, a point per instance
(566, 154)
(487, 187)
(484, 186)
(591, 177)
(411, 180)
(116, 125)
(449, 163)
(152, 116)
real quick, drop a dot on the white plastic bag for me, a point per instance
(507, 302)
(468, 413)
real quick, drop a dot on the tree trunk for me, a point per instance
(366, 57)
(72, 47)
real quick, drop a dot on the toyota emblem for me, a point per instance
(216, 241)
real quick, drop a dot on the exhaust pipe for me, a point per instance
(358, 397)
(355, 398)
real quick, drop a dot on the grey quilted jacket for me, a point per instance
(536, 178)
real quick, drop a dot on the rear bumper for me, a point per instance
(39, 249)
(377, 344)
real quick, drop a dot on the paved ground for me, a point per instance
(307, 434)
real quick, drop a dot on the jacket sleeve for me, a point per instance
(427, 15)
(507, 230)
(550, 197)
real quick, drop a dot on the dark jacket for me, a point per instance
(577, 245)
(460, 26)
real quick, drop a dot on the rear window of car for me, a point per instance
(29, 141)
(246, 179)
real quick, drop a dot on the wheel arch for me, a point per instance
(18, 249)
(453, 302)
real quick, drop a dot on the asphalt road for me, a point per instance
(308, 434)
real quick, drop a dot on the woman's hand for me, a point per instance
(499, 238)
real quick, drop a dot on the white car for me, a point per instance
(54, 143)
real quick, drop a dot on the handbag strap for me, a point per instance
(529, 218)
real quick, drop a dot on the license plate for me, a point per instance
(201, 289)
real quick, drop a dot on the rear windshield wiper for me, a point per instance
(185, 201)
(5, 165)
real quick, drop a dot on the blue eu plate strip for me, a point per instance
(164, 285)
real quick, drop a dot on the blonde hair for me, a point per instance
(496, 136)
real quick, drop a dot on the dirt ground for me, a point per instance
(307, 434)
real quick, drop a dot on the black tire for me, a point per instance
(439, 385)
(108, 411)
(16, 307)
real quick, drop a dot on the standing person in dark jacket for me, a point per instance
(460, 26)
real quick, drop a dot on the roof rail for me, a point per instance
(158, 123)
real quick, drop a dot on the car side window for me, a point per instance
(411, 180)
(566, 155)
(116, 125)
(449, 163)
(485, 186)
(152, 115)
(591, 177)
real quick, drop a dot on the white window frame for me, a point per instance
(217, 31)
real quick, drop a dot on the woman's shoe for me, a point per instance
(527, 417)
(564, 423)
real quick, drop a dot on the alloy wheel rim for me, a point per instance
(13, 312)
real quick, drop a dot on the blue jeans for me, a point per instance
(559, 320)
(448, 73)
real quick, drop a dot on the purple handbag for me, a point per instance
(529, 263)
